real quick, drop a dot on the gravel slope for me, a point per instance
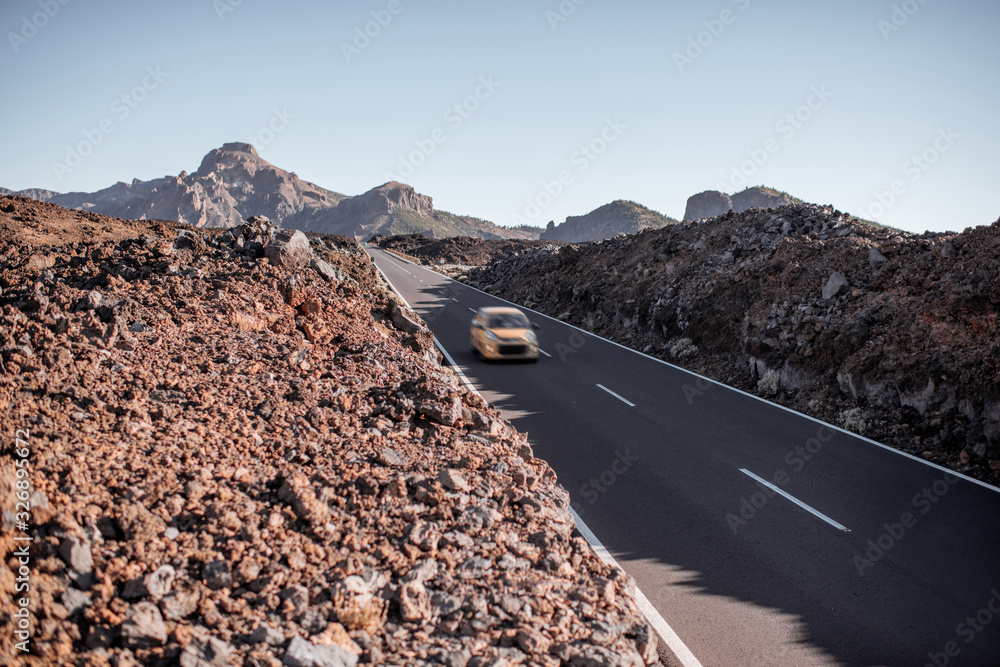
(243, 461)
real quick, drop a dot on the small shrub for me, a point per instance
(362, 612)
(769, 384)
(854, 420)
(683, 348)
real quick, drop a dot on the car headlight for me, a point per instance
(491, 336)
(531, 338)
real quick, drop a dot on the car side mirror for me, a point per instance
(476, 325)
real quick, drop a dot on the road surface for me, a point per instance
(761, 536)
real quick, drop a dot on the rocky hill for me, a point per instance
(892, 335)
(712, 203)
(610, 220)
(233, 183)
(529, 231)
(241, 450)
(395, 208)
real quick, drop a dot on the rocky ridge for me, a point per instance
(233, 183)
(396, 208)
(892, 335)
(712, 203)
(243, 451)
(455, 256)
(608, 221)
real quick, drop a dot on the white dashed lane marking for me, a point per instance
(626, 402)
(795, 500)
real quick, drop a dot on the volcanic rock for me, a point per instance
(903, 352)
(76, 553)
(404, 319)
(329, 272)
(289, 249)
(217, 574)
(875, 258)
(143, 626)
(452, 256)
(265, 448)
(836, 284)
(204, 650)
(302, 653)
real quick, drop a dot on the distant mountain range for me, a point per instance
(234, 183)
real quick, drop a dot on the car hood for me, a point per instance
(510, 334)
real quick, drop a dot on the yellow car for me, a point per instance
(503, 333)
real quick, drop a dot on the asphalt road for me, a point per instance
(872, 557)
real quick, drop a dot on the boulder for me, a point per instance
(217, 574)
(265, 634)
(289, 249)
(835, 285)
(158, 583)
(143, 626)
(205, 651)
(404, 319)
(302, 653)
(330, 273)
(75, 552)
(875, 258)
(414, 603)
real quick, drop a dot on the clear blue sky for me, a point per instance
(666, 117)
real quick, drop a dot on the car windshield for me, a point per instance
(508, 321)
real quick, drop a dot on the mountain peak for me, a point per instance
(230, 153)
(394, 185)
(239, 147)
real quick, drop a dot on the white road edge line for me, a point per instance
(783, 494)
(628, 403)
(660, 625)
(454, 365)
